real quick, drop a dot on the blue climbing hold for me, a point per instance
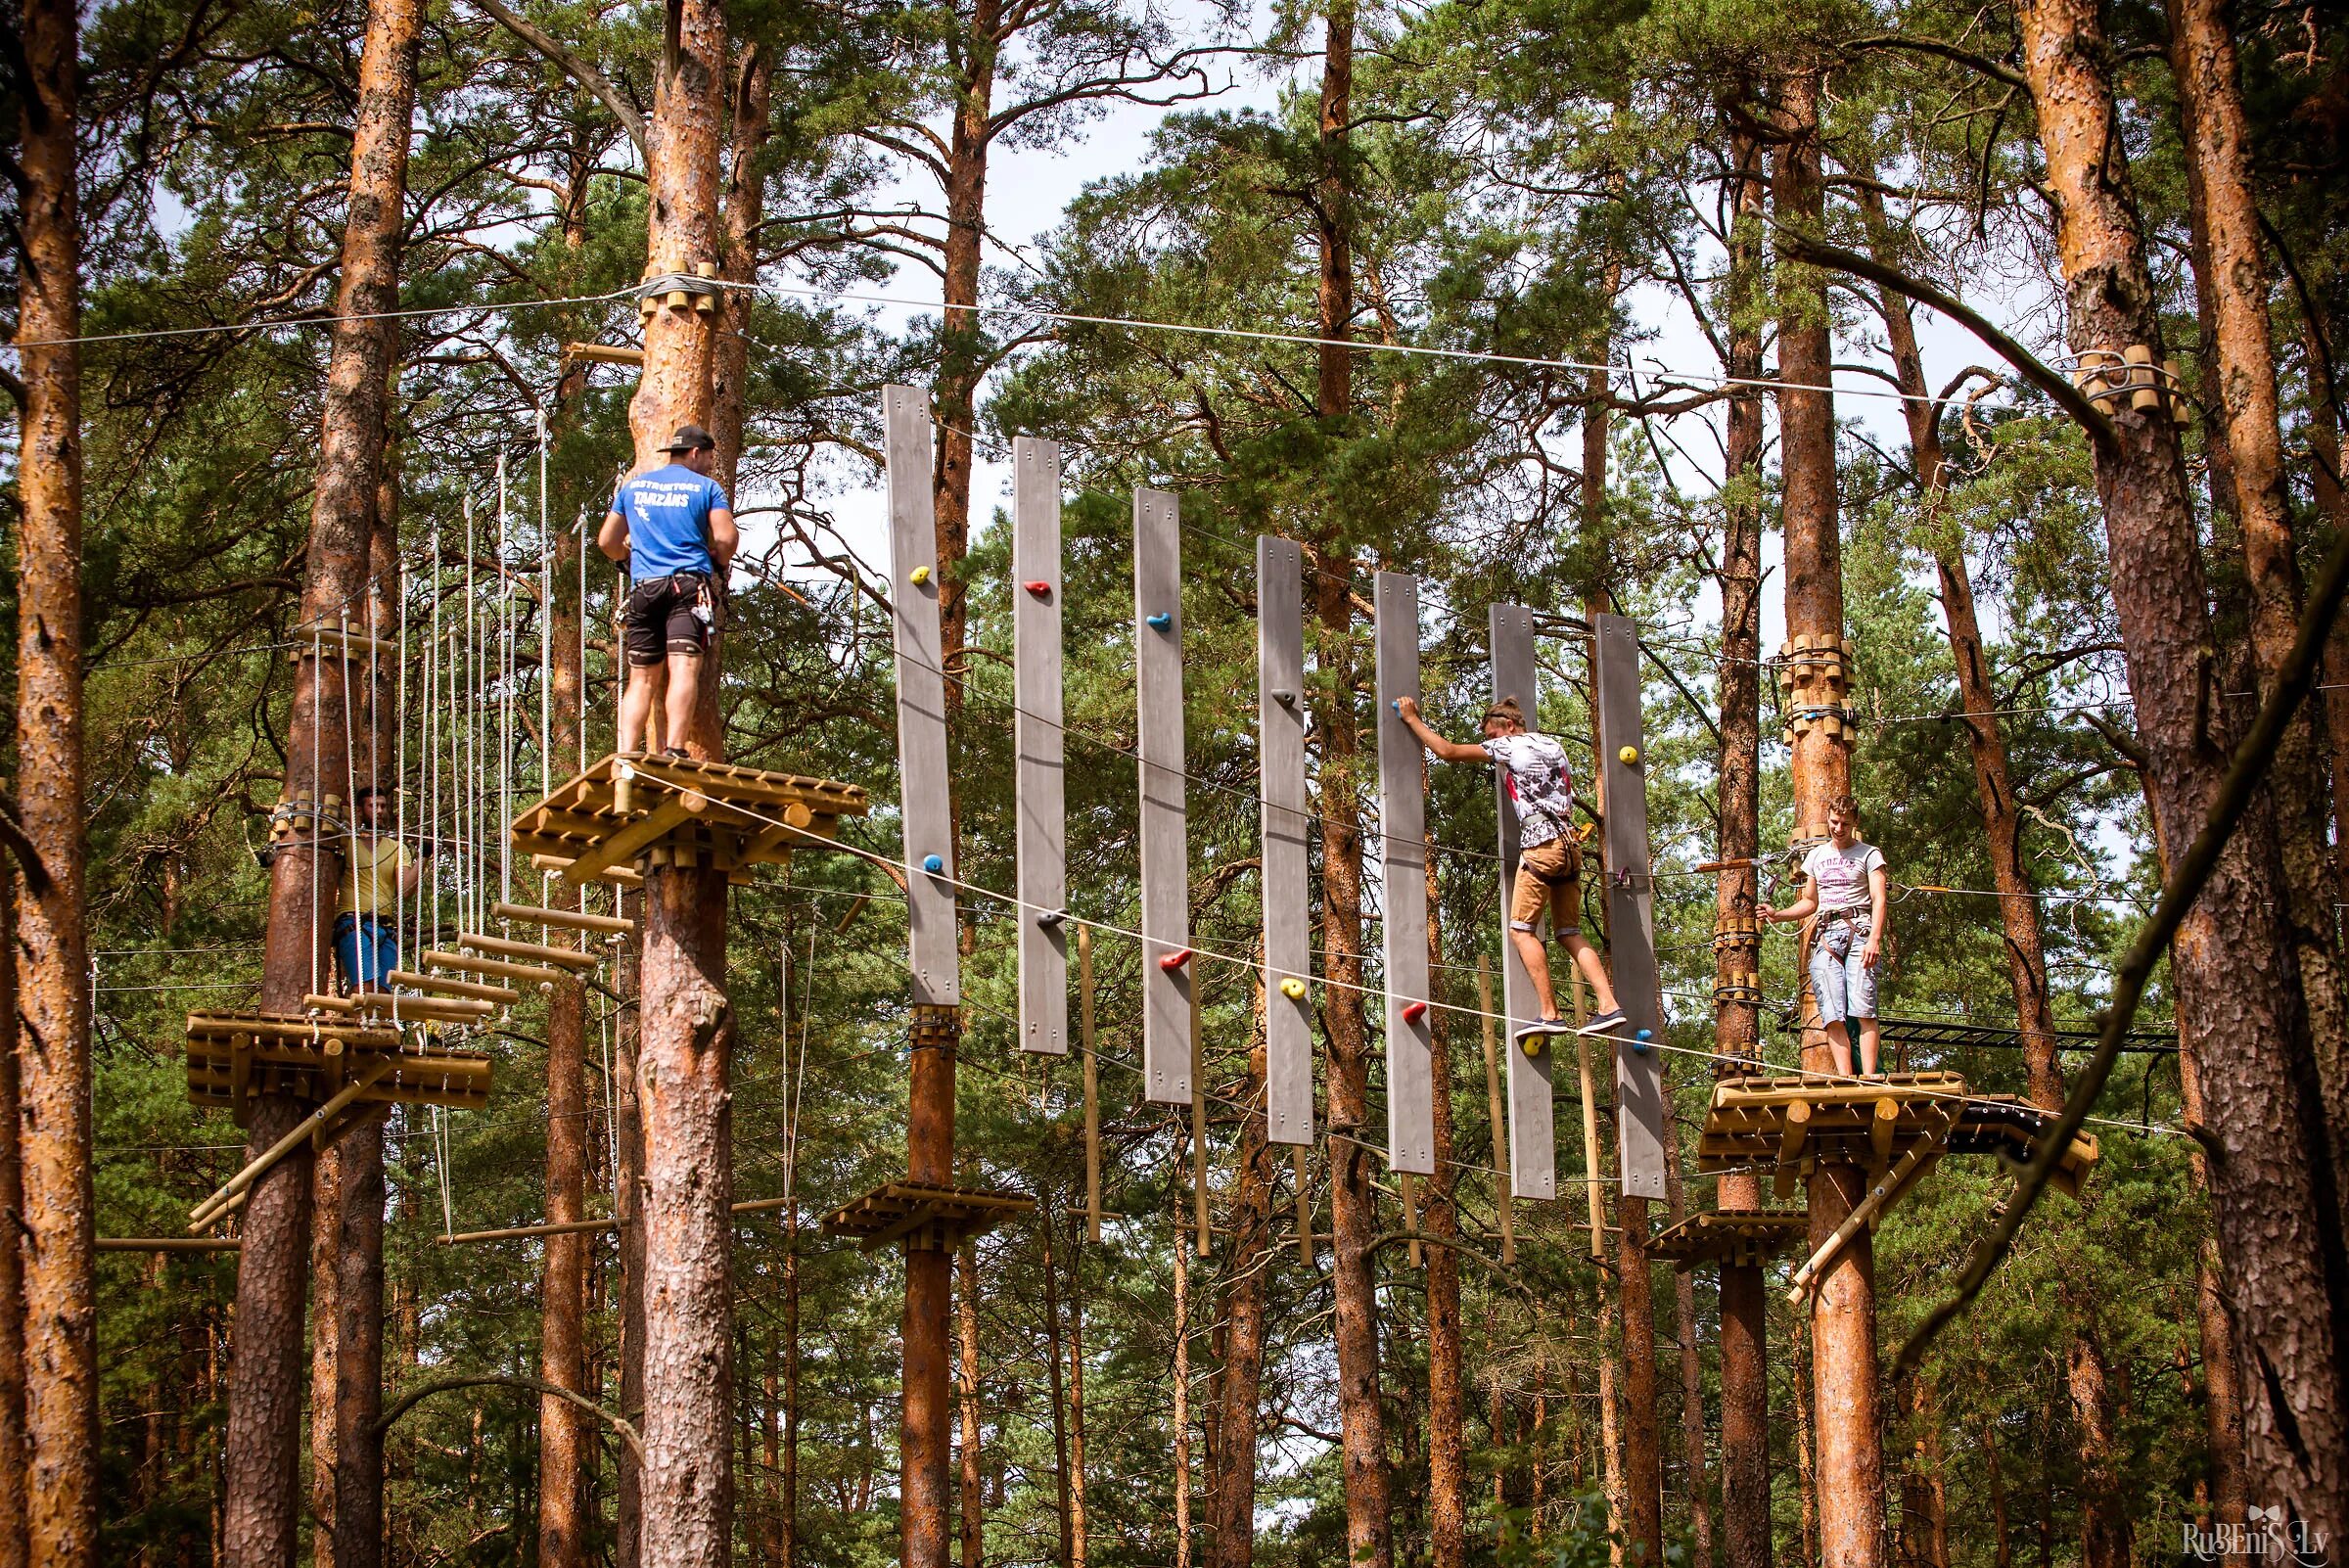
(1640, 1040)
(935, 864)
(1161, 621)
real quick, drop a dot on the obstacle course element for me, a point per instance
(234, 1056)
(1043, 860)
(1402, 874)
(925, 807)
(1641, 1140)
(1533, 1125)
(1778, 1124)
(1748, 1237)
(645, 812)
(1285, 826)
(925, 1219)
(1164, 832)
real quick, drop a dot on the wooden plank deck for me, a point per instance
(1755, 1122)
(1732, 1237)
(233, 1056)
(625, 814)
(923, 1217)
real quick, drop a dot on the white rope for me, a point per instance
(505, 688)
(546, 625)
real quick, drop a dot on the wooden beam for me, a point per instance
(498, 994)
(1092, 1085)
(467, 963)
(923, 765)
(571, 919)
(622, 846)
(1041, 809)
(1168, 972)
(1640, 1143)
(499, 947)
(1286, 829)
(1592, 1198)
(210, 1209)
(604, 353)
(1532, 1125)
(1403, 879)
(167, 1243)
(1501, 1200)
(619, 876)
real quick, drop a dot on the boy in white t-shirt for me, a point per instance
(1845, 894)
(1549, 862)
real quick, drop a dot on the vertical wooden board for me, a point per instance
(1166, 855)
(1287, 872)
(929, 824)
(1532, 1127)
(1402, 882)
(1042, 829)
(1631, 909)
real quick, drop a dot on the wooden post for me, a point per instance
(1503, 1202)
(1403, 869)
(1630, 898)
(1593, 1196)
(1199, 1205)
(1169, 973)
(1302, 1160)
(1533, 1163)
(1041, 827)
(1280, 763)
(1092, 1085)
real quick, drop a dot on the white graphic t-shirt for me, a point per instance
(1842, 874)
(1541, 785)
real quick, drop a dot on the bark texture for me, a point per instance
(13, 1545)
(359, 1387)
(260, 1522)
(1745, 1524)
(1231, 1515)
(2218, 141)
(1440, 1218)
(2275, 1193)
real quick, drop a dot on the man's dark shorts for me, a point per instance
(676, 614)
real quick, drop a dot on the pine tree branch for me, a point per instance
(577, 67)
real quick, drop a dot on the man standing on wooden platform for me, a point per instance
(672, 528)
(1549, 862)
(378, 871)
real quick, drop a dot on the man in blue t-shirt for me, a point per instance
(673, 529)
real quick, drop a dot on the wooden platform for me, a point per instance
(234, 1056)
(923, 1217)
(1786, 1125)
(1732, 1237)
(623, 816)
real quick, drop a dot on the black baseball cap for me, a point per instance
(691, 439)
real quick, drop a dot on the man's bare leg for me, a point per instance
(685, 691)
(637, 705)
(1585, 958)
(1535, 958)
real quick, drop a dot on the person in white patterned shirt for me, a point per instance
(1846, 892)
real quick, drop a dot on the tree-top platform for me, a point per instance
(1730, 1236)
(627, 814)
(1786, 1124)
(924, 1218)
(234, 1056)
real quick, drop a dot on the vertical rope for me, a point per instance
(317, 796)
(546, 625)
(505, 689)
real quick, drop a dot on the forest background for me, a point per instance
(1553, 182)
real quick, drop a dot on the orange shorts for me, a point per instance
(1548, 874)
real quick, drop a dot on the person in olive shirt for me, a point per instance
(673, 529)
(377, 869)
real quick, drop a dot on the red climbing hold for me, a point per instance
(1175, 959)
(1039, 588)
(1412, 1012)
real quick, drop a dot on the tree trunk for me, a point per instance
(685, 1041)
(1181, 1383)
(2218, 143)
(788, 1510)
(1077, 1521)
(359, 1387)
(1440, 1218)
(2103, 1502)
(14, 1543)
(627, 1208)
(1643, 1453)
(2333, 504)
(2274, 1194)
(1745, 1522)
(1233, 1510)
(326, 1325)
(972, 1511)
(2222, 1391)
(1843, 1317)
(1353, 1211)
(961, 361)
(738, 262)
(1055, 1381)
(566, 1439)
(265, 1393)
(1692, 1382)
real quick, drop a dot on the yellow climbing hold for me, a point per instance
(1293, 989)
(920, 576)
(1628, 756)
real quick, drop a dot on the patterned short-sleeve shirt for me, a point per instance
(1541, 785)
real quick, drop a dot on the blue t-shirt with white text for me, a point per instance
(667, 512)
